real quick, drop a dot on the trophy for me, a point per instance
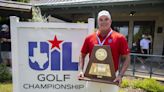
(100, 67)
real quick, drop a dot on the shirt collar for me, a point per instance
(100, 35)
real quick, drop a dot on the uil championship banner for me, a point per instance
(45, 56)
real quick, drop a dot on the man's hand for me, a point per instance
(4, 40)
(118, 79)
(81, 75)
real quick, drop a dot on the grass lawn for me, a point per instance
(5, 87)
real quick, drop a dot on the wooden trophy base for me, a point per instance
(99, 81)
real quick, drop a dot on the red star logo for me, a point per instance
(55, 42)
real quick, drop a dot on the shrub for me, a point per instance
(125, 83)
(149, 85)
(5, 75)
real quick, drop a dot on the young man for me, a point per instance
(119, 48)
(144, 44)
(5, 45)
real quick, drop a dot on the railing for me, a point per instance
(146, 64)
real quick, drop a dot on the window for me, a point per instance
(142, 28)
(121, 27)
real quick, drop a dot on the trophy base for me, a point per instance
(98, 80)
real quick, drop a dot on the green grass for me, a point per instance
(5, 87)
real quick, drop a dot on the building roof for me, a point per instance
(80, 3)
(12, 5)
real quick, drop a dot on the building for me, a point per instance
(130, 17)
(12, 8)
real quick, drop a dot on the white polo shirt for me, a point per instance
(144, 43)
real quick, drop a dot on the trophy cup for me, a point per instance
(100, 67)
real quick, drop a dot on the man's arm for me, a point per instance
(81, 65)
(126, 60)
(8, 40)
